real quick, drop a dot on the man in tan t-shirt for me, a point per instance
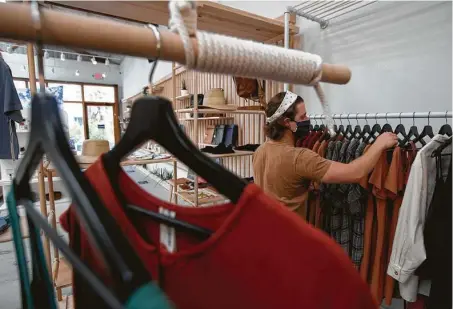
(284, 171)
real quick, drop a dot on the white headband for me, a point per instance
(288, 100)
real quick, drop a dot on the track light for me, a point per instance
(62, 57)
(52, 70)
(77, 73)
(107, 61)
(24, 68)
(46, 55)
(79, 58)
(93, 61)
(104, 75)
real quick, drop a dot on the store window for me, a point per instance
(90, 109)
(20, 84)
(102, 94)
(71, 92)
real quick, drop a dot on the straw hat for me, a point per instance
(92, 149)
(215, 98)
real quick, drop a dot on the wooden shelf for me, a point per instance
(189, 197)
(236, 153)
(63, 275)
(183, 97)
(213, 17)
(216, 111)
(206, 118)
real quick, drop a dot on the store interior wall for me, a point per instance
(399, 53)
(65, 70)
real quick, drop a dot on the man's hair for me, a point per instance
(275, 130)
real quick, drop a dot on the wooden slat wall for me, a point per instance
(250, 126)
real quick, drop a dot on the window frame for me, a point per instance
(115, 104)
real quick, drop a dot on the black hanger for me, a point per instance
(412, 135)
(348, 133)
(153, 118)
(366, 132)
(387, 127)
(340, 129)
(400, 129)
(375, 131)
(357, 129)
(47, 136)
(446, 128)
(427, 131)
(316, 127)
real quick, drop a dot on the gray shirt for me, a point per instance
(10, 107)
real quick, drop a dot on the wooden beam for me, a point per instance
(292, 18)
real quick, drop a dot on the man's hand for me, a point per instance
(386, 140)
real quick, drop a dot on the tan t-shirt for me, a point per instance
(284, 171)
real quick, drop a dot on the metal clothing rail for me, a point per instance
(323, 12)
(75, 31)
(372, 116)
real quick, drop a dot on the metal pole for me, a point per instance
(286, 40)
(409, 115)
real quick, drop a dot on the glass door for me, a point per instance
(100, 123)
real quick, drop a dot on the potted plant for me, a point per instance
(184, 90)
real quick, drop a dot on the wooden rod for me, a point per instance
(75, 31)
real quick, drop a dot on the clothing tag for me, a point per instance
(168, 234)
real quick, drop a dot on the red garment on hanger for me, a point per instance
(260, 256)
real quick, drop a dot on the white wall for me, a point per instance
(399, 54)
(135, 74)
(65, 70)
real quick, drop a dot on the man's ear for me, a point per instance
(285, 122)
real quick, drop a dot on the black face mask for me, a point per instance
(303, 128)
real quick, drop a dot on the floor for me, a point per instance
(9, 283)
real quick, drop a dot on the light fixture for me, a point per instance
(24, 68)
(79, 58)
(9, 49)
(46, 55)
(107, 61)
(62, 57)
(93, 61)
(52, 70)
(104, 75)
(77, 73)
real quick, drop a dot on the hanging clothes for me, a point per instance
(408, 250)
(10, 107)
(438, 243)
(244, 264)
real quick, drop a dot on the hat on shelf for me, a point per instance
(92, 149)
(215, 98)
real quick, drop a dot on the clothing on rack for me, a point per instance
(408, 251)
(223, 270)
(10, 107)
(363, 217)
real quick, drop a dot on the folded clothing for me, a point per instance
(219, 149)
(248, 147)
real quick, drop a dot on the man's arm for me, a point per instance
(361, 167)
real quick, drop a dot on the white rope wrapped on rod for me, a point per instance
(229, 55)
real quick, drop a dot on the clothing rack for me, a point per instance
(371, 116)
(322, 12)
(112, 36)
